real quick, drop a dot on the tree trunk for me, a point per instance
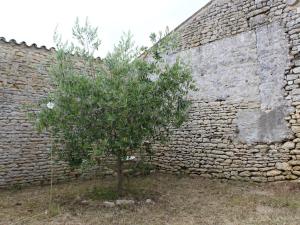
(119, 175)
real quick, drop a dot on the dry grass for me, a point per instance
(178, 201)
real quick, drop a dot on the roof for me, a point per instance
(13, 41)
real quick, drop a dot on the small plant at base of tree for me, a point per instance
(115, 105)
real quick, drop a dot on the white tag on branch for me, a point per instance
(130, 157)
(50, 105)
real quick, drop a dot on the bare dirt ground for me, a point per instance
(177, 201)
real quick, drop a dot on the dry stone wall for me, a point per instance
(24, 154)
(244, 121)
(24, 80)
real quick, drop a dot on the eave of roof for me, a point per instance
(13, 41)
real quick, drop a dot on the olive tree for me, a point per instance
(115, 105)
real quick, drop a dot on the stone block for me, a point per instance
(288, 145)
(294, 163)
(283, 166)
(273, 173)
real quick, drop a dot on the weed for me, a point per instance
(102, 193)
(53, 209)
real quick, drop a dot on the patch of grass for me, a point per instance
(109, 194)
(103, 193)
(282, 202)
(16, 187)
(177, 201)
(53, 209)
(141, 194)
(240, 200)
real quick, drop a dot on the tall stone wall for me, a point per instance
(244, 121)
(24, 154)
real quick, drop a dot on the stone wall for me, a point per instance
(24, 154)
(244, 122)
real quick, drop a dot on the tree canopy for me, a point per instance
(116, 104)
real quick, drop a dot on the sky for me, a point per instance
(34, 21)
